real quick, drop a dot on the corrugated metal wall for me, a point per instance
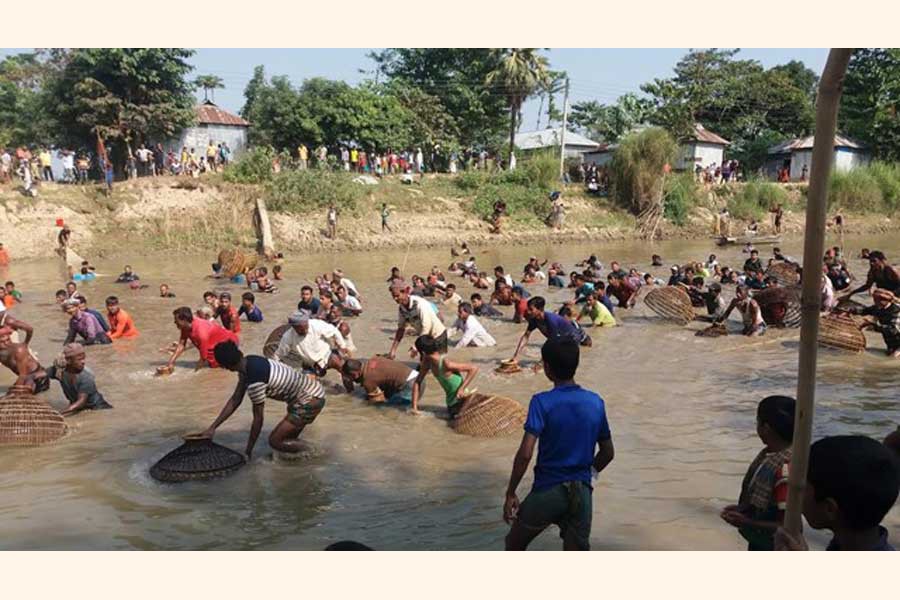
(198, 138)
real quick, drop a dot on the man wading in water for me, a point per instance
(19, 359)
(570, 423)
(261, 378)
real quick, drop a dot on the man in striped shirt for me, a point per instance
(261, 378)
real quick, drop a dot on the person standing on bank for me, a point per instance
(567, 423)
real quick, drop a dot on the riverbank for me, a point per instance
(171, 214)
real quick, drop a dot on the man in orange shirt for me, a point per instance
(121, 324)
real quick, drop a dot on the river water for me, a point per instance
(681, 408)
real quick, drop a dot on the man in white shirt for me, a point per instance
(473, 332)
(419, 313)
(350, 305)
(310, 344)
(338, 275)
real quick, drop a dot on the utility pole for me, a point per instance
(562, 137)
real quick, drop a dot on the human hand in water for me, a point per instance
(510, 508)
(734, 518)
(786, 541)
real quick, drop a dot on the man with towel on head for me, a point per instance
(312, 345)
(77, 381)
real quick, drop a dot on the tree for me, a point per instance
(251, 92)
(209, 83)
(554, 84)
(23, 117)
(454, 78)
(519, 72)
(870, 105)
(130, 95)
(638, 174)
(610, 122)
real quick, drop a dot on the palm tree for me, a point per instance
(518, 74)
(556, 83)
(209, 82)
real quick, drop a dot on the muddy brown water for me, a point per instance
(681, 408)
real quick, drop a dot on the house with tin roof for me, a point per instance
(216, 125)
(576, 144)
(703, 148)
(796, 156)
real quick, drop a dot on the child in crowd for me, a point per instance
(228, 315)
(262, 281)
(164, 291)
(454, 377)
(760, 508)
(276, 273)
(211, 300)
(12, 291)
(249, 308)
(77, 381)
(851, 484)
(61, 296)
(121, 324)
(583, 338)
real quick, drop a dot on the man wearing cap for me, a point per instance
(77, 381)
(203, 334)
(311, 344)
(417, 312)
(886, 313)
(676, 278)
(84, 324)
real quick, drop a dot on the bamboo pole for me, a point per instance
(827, 102)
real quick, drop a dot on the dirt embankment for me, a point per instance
(175, 214)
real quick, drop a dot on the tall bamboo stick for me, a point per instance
(827, 102)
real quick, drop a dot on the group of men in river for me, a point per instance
(568, 424)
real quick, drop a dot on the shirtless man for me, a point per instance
(19, 359)
(8, 322)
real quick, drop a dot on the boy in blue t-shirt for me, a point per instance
(249, 308)
(570, 423)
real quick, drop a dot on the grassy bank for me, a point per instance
(174, 214)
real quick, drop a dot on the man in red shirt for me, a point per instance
(226, 311)
(623, 291)
(202, 333)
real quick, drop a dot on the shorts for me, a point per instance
(304, 411)
(568, 505)
(404, 395)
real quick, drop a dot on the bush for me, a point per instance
(856, 190)
(680, 195)
(522, 202)
(255, 166)
(302, 191)
(637, 167)
(755, 198)
(887, 175)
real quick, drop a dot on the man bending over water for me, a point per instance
(19, 359)
(261, 378)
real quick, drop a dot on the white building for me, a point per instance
(576, 144)
(796, 156)
(216, 125)
(703, 148)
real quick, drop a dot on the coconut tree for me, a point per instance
(209, 83)
(519, 72)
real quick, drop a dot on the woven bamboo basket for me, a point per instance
(671, 302)
(787, 296)
(273, 340)
(27, 421)
(195, 460)
(485, 415)
(507, 367)
(841, 332)
(785, 274)
(234, 262)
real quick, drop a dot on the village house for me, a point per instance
(796, 154)
(576, 144)
(217, 125)
(702, 147)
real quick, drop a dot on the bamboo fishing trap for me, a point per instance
(841, 332)
(235, 262)
(485, 415)
(672, 303)
(197, 459)
(274, 339)
(26, 420)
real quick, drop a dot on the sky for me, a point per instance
(601, 74)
